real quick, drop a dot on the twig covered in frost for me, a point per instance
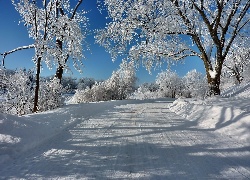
(14, 50)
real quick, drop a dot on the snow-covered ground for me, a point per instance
(18, 134)
(131, 139)
(228, 114)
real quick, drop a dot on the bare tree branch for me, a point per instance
(77, 6)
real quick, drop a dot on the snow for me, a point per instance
(18, 134)
(225, 116)
(212, 73)
(130, 139)
(241, 90)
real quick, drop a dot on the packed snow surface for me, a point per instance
(131, 139)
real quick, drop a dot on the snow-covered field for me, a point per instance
(130, 139)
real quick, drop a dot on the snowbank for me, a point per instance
(230, 116)
(241, 90)
(19, 134)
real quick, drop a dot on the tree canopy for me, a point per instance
(150, 31)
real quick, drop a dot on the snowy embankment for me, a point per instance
(230, 116)
(19, 134)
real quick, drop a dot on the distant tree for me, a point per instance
(56, 29)
(170, 84)
(128, 79)
(122, 82)
(146, 91)
(152, 30)
(69, 83)
(83, 83)
(112, 86)
(194, 84)
(152, 87)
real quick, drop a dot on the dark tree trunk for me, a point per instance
(214, 86)
(237, 74)
(214, 80)
(38, 69)
(59, 73)
(59, 70)
(213, 73)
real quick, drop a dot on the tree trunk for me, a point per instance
(214, 86)
(213, 79)
(213, 74)
(38, 69)
(59, 73)
(238, 76)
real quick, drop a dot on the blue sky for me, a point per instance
(98, 63)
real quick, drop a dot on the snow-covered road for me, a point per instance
(135, 140)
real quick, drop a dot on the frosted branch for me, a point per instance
(14, 50)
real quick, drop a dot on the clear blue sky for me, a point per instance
(98, 63)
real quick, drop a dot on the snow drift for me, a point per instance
(229, 116)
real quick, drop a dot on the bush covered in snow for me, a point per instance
(50, 95)
(119, 86)
(18, 93)
(146, 91)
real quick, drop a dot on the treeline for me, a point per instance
(169, 84)
(17, 89)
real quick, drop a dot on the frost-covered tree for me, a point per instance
(170, 84)
(127, 79)
(122, 82)
(112, 86)
(194, 84)
(19, 94)
(58, 32)
(152, 30)
(237, 64)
